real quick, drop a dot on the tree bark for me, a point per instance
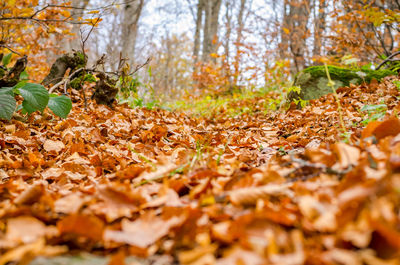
(210, 31)
(131, 15)
(319, 25)
(285, 31)
(199, 20)
(75, 42)
(239, 35)
(298, 32)
(72, 61)
(9, 78)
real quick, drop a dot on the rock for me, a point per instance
(313, 80)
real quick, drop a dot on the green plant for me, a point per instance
(397, 84)
(128, 85)
(36, 97)
(282, 151)
(375, 112)
(298, 101)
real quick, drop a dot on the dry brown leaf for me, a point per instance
(252, 194)
(144, 231)
(56, 146)
(27, 229)
(89, 227)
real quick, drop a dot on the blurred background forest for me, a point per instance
(216, 46)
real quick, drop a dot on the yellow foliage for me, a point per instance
(21, 32)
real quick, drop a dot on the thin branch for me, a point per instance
(11, 50)
(65, 80)
(389, 59)
(138, 67)
(380, 39)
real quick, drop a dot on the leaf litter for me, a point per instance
(168, 187)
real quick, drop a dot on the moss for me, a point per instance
(314, 82)
(346, 76)
(76, 82)
(80, 60)
(377, 74)
(75, 61)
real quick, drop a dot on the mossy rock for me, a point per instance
(313, 80)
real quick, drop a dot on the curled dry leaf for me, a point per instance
(32, 194)
(347, 155)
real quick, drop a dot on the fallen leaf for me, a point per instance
(56, 146)
(144, 231)
(81, 225)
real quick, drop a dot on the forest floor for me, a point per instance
(283, 187)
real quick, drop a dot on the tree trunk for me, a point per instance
(319, 25)
(130, 21)
(75, 41)
(239, 34)
(299, 15)
(210, 31)
(227, 41)
(199, 20)
(284, 32)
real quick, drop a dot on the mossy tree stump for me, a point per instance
(73, 61)
(10, 77)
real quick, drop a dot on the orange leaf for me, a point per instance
(82, 225)
(389, 127)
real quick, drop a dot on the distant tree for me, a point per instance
(131, 14)
(76, 11)
(294, 32)
(366, 29)
(210, 10)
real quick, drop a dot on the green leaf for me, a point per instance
(28, 108)
(373, 107)
(35, 97)
(24, 75)
(397, 84)
(7, 106)
(18, 86)
(7, 59)
(7, 90)
(60, 105)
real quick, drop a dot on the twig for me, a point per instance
(138, 67)
(65, 81)
(389, 59)
(339, 106)
(11, 50)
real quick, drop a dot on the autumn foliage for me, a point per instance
(28, 31)
(255, 179)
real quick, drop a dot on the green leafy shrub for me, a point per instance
(36, 98)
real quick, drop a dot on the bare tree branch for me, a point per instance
(389, 59)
